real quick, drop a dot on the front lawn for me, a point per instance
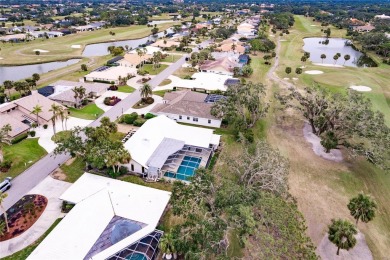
(126, 89)
(160, 93)
(61, 136)
(24, 253)
(153, 71)
(74, 170)
(89, 112)
(171, 58)
(22, 155)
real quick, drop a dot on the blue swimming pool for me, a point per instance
(136, 256)
(186, 169)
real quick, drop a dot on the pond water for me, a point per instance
(318, 46)
(100, 49)
(21, 72)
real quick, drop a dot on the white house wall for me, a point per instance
(190, 120)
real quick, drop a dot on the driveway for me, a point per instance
(45, 135)
(41, 169)
(52, 189)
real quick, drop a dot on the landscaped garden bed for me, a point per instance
(144, 102)
(111, 101)
(23, 214)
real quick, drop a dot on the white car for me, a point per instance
(6, 184)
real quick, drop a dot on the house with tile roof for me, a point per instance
(187, 107)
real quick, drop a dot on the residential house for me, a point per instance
(382, 16)
(224, 66)
(111, 219)
(233, 47)
(63, 91)
(187, 106)
(110, 75)
(163, 148)
(19, 115)
(364, 28)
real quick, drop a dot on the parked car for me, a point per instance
(6, 184)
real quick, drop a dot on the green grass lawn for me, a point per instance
(22, 155)
(138, 180)
(74, 170)
(126, 89)
(60, 136)
(24, 253)
(165, 82)
(60, 48)
(153, 71)
(160, 93)
(172, 58)
(89, 112)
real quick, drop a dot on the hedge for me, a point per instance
(19, 138)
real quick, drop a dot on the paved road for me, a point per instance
(37, 172)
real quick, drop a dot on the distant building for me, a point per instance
(364, 28)
(383, 16)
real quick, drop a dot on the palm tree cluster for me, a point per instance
(23, 87)
(58, 113)
(141, 52)
(342, 232)
(79, 94)
(146, 91)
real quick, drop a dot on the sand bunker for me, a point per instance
(334, 154)
(313, 25)
(295, 78)
(314, 72)
(286, 78)
(361, 88)
(282, 40)
(271, 35)
(1, 58)
(329, 65)
(40, 50)
(77, 46)
(327, 250)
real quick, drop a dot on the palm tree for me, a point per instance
(55, 110)
(3, 135)
(61, 114)
(2, 197)
(233, 47)
(323, 56)
(76, 95)
(341, 233)
(140, 54)
(66, 117)
(146, 91)
(362, 207)
(336, 57)
(2, 227)
(167, 244)
(36, 110)
(8, 84)
(346, 58)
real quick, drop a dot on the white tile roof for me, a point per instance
(98, 199)
(146, 140)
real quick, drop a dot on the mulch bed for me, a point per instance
(23, 214)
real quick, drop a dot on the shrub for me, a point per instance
(34, 125)
(5, 165)
(149, 116)
(123, 170)
(84, 102)
(113, 87)
(187, 77)
(142, 72)
(45, 126)
(148, 100)
(32, 133)
(19, 138)
(130, 118)
(139, 122)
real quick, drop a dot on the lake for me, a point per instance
(335, 45)
(21, 72)
(100, 49)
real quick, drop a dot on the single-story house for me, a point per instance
(382, 16)
(233, 47)
(166, 43)
(164, 148)
(364, 28)
(63, 91)
(188, 107)
(111, 219)
(223, 66)
(19, 115)
(110, 74)
(13, 37)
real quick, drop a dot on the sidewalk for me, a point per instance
(52, 190)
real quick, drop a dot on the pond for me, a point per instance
(21, 72)
(100, 49)
(332, 46)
